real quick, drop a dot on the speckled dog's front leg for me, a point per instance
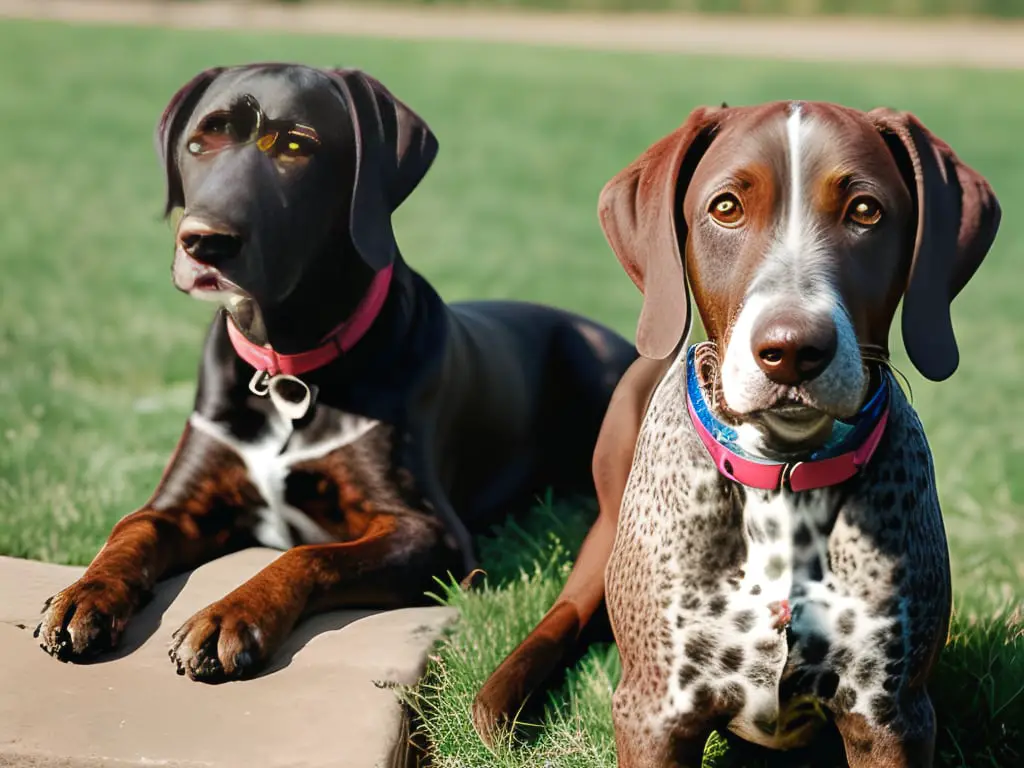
(890, 548)
(645, 739)
(908, 741)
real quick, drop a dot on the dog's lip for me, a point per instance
(795, 409)
(192, 276)
(195, 224)
(791, 404)
(789, 409)
(209, 282)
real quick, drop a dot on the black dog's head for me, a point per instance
(288, 177)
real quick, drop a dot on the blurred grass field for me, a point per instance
(899, 8)
(99, 352)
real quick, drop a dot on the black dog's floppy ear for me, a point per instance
(394, 150)
(172, 123)
(957, 220)
(641, 215)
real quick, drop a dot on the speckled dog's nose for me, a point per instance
(793, 347)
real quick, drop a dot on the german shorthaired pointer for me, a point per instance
(770, 535)
(344, 412)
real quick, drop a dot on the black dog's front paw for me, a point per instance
(85, 620)
(222, 642)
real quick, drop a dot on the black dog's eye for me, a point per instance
(215, 132)
(298, 143)
(864, 211)
(294, 148)
(219, 130)
(217, 124)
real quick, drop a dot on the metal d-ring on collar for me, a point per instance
(263, 384)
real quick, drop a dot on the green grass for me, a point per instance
(99, 352)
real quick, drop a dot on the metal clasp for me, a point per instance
(292, 404)
(259, 384)
(787, 474)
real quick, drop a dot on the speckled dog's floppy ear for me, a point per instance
(394, 150)
(641, 215)
(957, 220)
(172, 123)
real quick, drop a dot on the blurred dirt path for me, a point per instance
(968, 43)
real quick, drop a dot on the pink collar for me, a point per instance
(832, 465)
(338, 341)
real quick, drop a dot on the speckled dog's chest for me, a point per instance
(725, 597)
(789, 635)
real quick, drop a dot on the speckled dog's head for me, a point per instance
(803, 225)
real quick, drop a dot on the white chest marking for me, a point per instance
(785, 543)
(745, 647)
(269, 460)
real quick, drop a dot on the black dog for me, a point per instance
(342, 405)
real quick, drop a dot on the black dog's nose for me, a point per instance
(207, 244)
(793, 346)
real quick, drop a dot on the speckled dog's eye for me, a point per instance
(726, 210)
(864, 211)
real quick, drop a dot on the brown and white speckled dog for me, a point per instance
(778, 549)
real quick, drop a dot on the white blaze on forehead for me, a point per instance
(797, 261)
(794, 228)
(801, 264)
(801, 254)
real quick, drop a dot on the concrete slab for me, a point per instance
(321, 702)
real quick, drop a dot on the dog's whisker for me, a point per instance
(872, 353)
(906, 381)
